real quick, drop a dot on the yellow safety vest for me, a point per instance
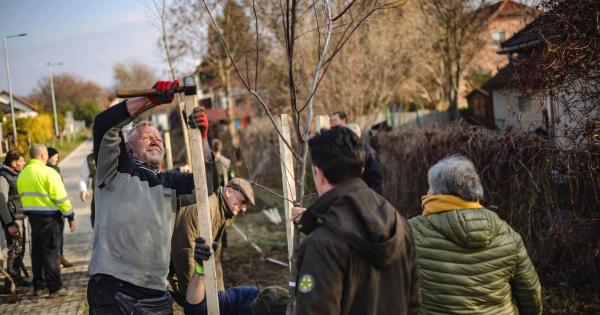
(42, 191)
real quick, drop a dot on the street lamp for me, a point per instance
(53, 97)
(12, 107)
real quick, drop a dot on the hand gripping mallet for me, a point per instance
(188, 88)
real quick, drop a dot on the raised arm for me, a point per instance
(109, 147)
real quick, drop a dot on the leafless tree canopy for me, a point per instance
(133, 76)
(70, 90)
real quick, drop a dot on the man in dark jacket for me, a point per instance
(358, 256)
(11, 215)
(372, 174)
(53, 159)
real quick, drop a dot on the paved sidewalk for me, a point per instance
(77, 249)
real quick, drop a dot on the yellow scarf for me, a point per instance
(441, 203)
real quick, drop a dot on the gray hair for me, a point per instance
(36, 150)
(455, 175)
(132, 134)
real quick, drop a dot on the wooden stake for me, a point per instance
(287, 179)
(184, 129)
(204, 220)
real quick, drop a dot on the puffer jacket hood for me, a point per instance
(348, 211)
(469, 228)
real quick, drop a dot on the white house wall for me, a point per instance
(509, 113)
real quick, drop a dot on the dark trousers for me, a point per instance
(15, 252)
(101, 292)
(45, 253)
(61, 227)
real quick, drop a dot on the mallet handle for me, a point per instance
(147, 92)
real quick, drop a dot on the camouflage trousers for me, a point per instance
(16, 252)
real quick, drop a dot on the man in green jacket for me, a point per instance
(470, 261)
(224, 204)
(358, 256)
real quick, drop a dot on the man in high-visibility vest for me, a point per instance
(45, 201)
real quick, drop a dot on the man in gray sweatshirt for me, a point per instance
(135, 209)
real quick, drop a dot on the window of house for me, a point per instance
(498, 36)
(524, 103)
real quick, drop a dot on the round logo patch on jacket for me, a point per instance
(307, 283)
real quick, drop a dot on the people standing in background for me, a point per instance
(45, 202)
(338, 119)
(223, 164)
(87, 182)
(53, 160)
(372, 174)
(12, 217)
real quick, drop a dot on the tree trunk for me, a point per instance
(225, 76)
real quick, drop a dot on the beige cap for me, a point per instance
(244, 187)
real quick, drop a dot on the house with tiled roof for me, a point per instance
(515, 97)
(499, 21)
(23, 109)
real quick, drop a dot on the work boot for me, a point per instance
(59, 293)
(65, 263)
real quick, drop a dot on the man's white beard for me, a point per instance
(154, 157)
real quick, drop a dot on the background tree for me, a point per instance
(133, 75)
(373, 70)
(85, 111)
(328, 26)
(70, 90)
(449, 34)
(197, 40)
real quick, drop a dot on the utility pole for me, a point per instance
(56, 131)
(12, 105)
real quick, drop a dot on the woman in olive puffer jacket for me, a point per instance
(469, 260)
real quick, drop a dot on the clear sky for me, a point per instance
(88, 36)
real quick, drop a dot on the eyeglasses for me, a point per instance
(242, 198)
(148, 139)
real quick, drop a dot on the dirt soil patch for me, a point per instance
(243, 265)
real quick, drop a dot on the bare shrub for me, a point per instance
(548, 194)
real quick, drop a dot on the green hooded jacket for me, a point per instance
(472, 262)
(358, 256)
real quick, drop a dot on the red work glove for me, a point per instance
(165, 90)
(199, 119)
